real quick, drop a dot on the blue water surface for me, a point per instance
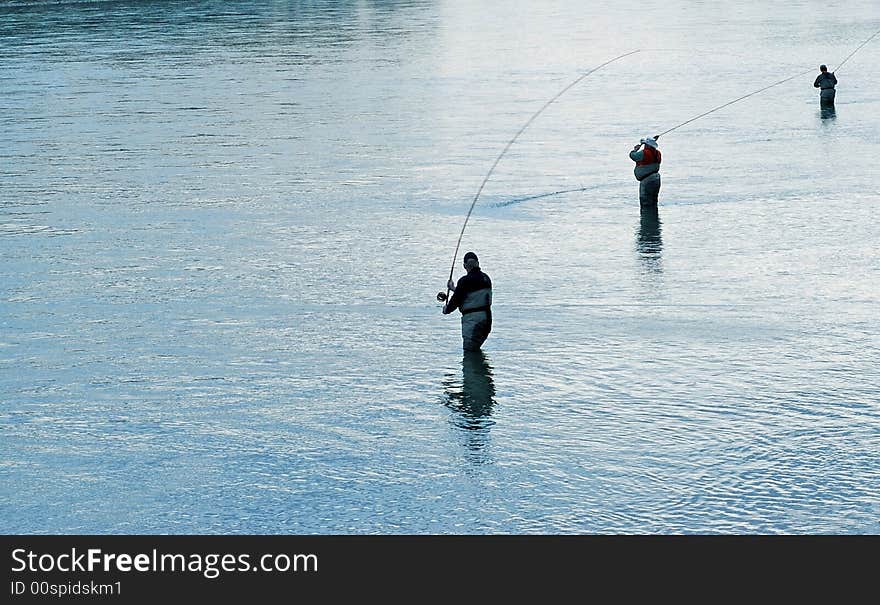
(223, 225)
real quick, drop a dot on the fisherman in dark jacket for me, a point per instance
(473, 297)
(647, 157)
(826, 81)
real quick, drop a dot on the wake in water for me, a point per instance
(529, 198)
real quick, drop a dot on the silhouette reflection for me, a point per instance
(472, 401)
(649, 242)
(827, 111)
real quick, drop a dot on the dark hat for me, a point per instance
(470, 255)
(823, 67)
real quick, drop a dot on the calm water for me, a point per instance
(223, 224)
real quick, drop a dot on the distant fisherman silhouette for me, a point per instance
(647, 157)
(826, 81)
(473, 297)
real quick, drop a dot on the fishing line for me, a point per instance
(751, 94)
(856, 50)
(441, 296)
(860, 46)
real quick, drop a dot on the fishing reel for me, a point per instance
(441, 296)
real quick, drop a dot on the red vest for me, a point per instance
(651, 156)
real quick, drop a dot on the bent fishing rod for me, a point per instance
(737, 100)
(443, 296)
(713, 110)
(856, 50)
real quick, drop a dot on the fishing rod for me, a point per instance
(732, 102)
(856, 50)
(441, 296)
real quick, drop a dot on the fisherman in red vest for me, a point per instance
(646, 155)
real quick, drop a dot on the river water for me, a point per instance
(223, 225)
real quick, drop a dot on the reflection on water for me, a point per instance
(472, 401)
(827, 112)
(649, 242)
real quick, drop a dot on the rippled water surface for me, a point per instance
(223, 224)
